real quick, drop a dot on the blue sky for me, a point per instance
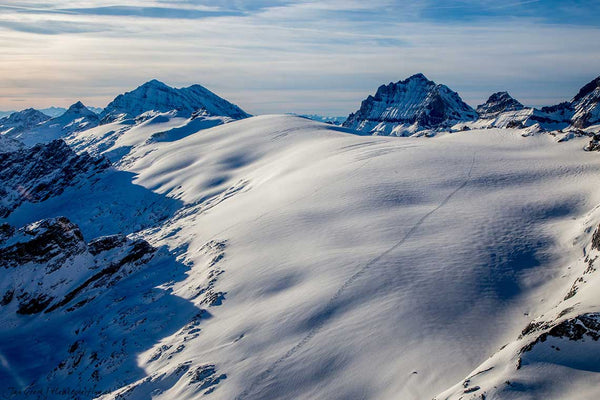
(295, 56)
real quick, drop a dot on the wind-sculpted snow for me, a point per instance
(295, 260)
(448, 258)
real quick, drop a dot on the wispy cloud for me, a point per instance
(280, 56)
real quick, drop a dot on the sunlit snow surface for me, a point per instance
(355, 267)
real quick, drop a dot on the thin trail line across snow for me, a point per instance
(303, 198)
(319, 324)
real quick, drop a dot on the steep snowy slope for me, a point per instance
(158, 97)
(409, 106)
(304, 262)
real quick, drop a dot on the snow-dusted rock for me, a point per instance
(43, 171)
(586, 105)
(406, 107)
(498, 103)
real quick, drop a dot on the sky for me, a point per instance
(275, 56)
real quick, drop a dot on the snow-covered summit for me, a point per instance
(156, 96)
(408, 106)
(21, 120)
(497, 103)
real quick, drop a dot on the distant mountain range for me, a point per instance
(419, 106)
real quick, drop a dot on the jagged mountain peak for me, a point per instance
(587, 105)
(587, 89)
(408, 106)
(497, 103)
(155, 95)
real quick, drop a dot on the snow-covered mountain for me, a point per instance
(30, 132)
(581, 113)
(20, 121)
(157, 97)
(498, 103)
(406, 107)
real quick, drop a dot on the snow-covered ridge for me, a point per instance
(158, 97)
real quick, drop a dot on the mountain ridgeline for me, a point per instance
(419, 106)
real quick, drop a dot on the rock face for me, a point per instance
(586, 105)
(498, 103)
(156, 96)
(406, 107)
(21, 120)
(41, 172)
(62, 265)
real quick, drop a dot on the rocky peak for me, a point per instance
(156, 96)
(498, 103)
(413, 104)
(587, 89)
(587, 105)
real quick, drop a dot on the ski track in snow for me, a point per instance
(321, 322)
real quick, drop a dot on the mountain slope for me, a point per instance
(158, 97)
(409, 106)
